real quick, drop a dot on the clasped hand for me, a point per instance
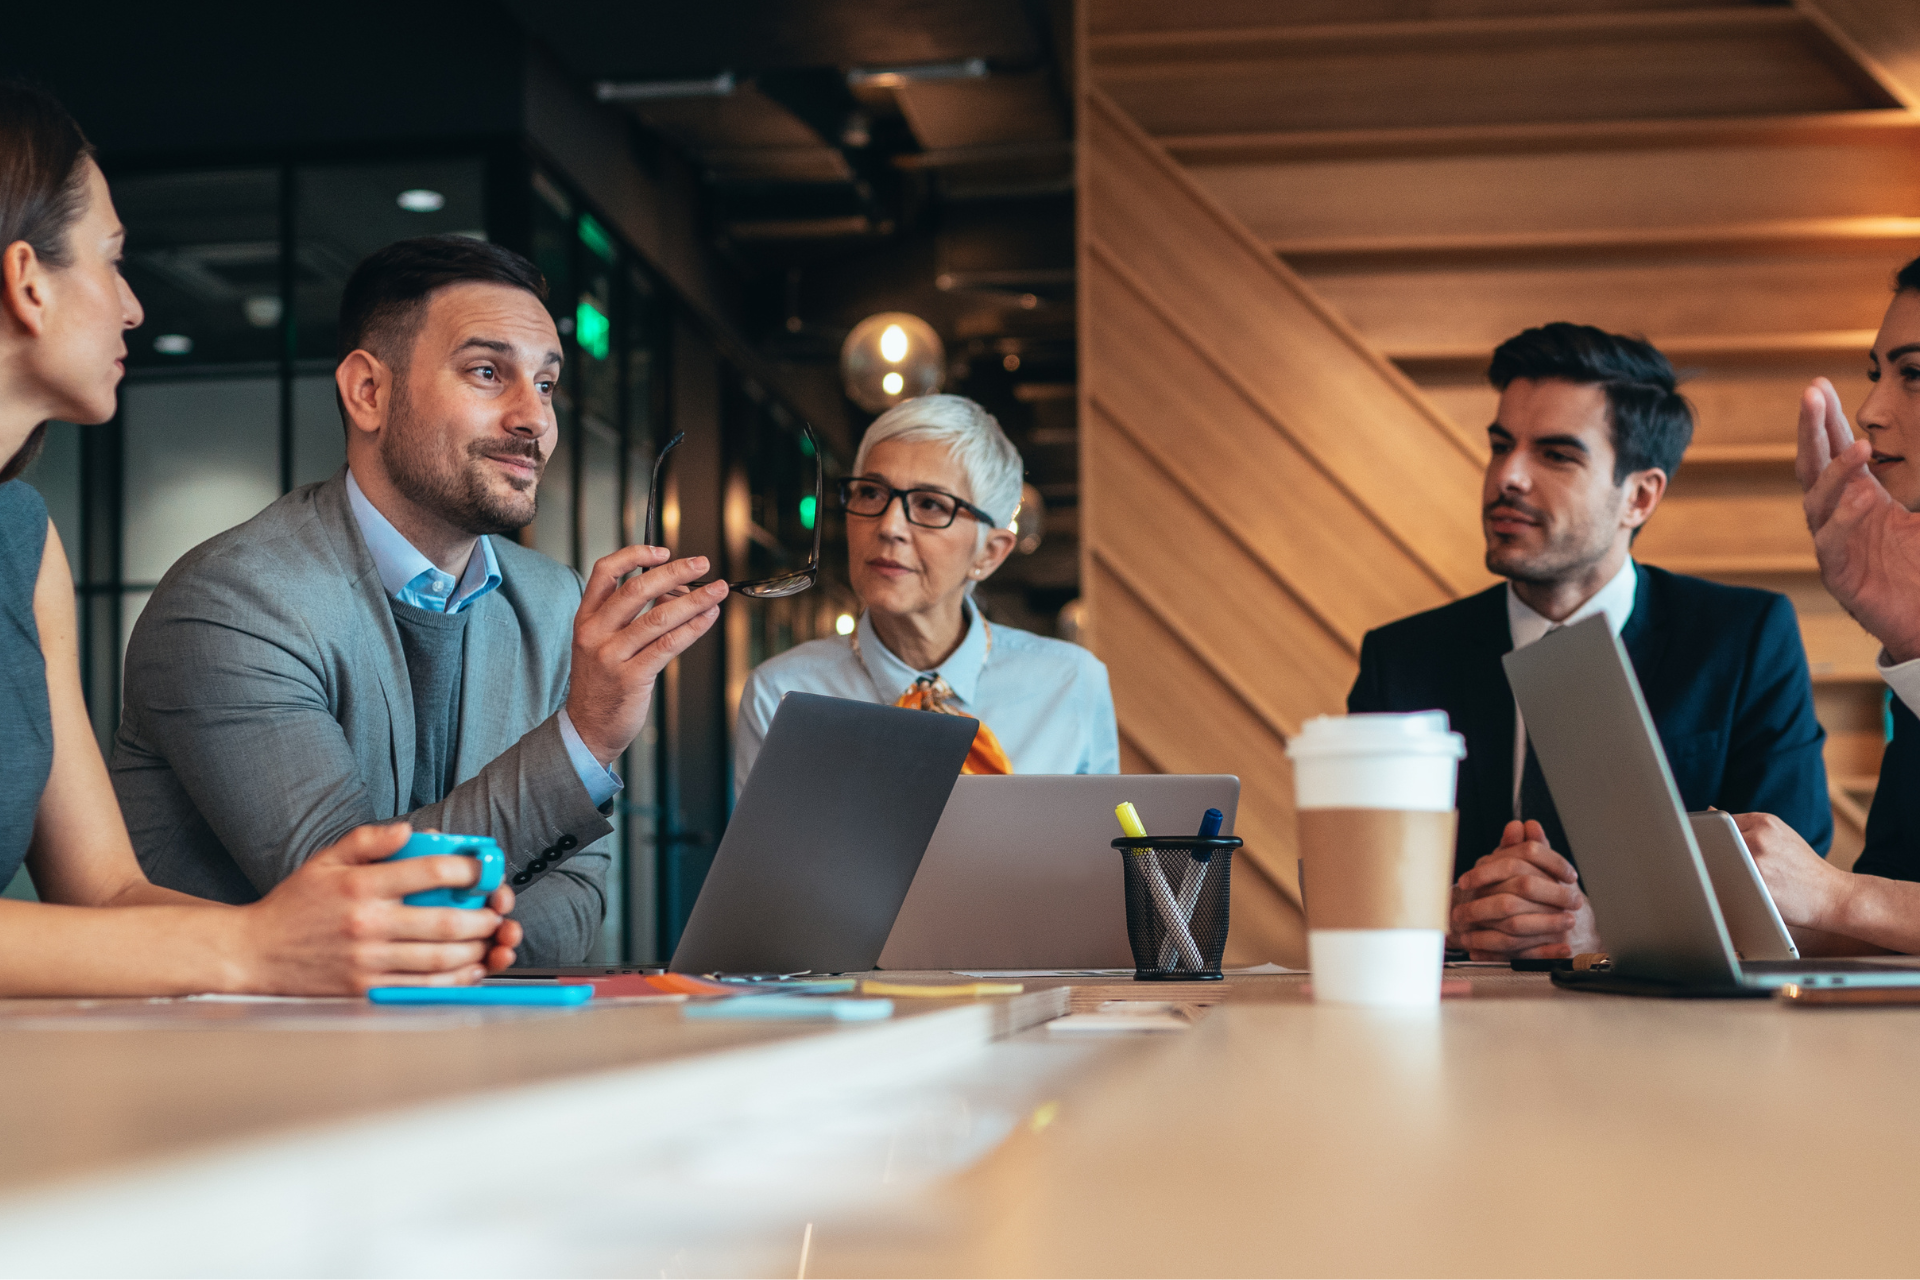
(1522, 902)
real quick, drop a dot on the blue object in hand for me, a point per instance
(493, 868)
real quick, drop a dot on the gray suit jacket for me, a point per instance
(267, 712)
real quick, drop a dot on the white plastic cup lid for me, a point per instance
(1419, 733)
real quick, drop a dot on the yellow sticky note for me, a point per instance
(945, 990)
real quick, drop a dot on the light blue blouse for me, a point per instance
(1046, 700)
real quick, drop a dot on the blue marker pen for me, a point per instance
(1194, 879)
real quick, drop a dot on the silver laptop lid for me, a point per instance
(1020, 873)
(824, 839)
(1608, 774)
(1753, 922)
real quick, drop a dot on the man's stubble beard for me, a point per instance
(456, 492)
(1565, 557)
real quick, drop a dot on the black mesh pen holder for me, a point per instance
(1177, 904)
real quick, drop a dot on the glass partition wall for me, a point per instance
(229, 403)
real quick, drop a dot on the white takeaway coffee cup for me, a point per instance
(1374, 800)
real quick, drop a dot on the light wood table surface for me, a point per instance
(1521, 1131)
(96, 1084)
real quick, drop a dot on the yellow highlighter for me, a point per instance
(945, 990)
(1171, 918)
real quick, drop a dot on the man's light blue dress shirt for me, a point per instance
(1047, 701)
(411, 578)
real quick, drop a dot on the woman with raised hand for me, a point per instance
(929, 511)
(336, 926)
(1861, 500)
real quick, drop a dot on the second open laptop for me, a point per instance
(1638, 856)
(1020, 873)
(825, 838)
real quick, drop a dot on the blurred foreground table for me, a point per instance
(1519, 1130)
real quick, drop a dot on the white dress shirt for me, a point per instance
(1047, 701)
(1903, 678)
(1525, 626)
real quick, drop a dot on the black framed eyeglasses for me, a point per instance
(928, 508)
(783, 584)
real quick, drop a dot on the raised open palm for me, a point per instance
(1868, 545)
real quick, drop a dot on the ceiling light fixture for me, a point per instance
(720, 86)
(421, 200)
(894, 77)
(173, 344)
(890, 357)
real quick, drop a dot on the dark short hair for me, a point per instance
(388, 292)
(1908, 278)
(1652, 422)
(43, 192)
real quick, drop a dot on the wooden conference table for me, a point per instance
(1518, 1130)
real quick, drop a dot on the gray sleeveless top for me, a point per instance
(26, 726)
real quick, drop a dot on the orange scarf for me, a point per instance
(930, 693)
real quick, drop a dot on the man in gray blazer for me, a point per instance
(366, 649)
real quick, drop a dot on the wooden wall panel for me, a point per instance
(1730, 533)
(1234, 462)
(1111, 17)
(1185, 561)
(1704, 185)
(1409, 312)
(1882, 35)
(1421, 74)
(1271, 340)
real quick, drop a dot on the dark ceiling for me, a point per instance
(877, 155)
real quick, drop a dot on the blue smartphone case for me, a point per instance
(522, 993)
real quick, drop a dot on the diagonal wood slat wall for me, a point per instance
(1259, 488)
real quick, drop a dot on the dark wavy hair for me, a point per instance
(43, 192)
(1652, 422)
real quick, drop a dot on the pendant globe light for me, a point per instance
(890, 357)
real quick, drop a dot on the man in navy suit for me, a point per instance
(1589, 432)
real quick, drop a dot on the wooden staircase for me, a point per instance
(1305, 226)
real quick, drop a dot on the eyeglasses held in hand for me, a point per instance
(928, 508)
(784, 584)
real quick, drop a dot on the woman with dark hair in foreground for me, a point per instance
(336, 926)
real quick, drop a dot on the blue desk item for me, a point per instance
(493, 868)
(792, 1007)
(521, 993)
(1209, 828)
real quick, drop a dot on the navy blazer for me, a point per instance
(1722, 668)
(1893, 824)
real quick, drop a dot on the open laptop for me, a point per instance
(1638, 856)
(824, 839)
(1021, 874)
(1746, 904)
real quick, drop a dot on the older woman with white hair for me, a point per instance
(929, 513)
